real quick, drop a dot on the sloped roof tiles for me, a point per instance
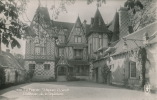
(98, 24)
(135, 39)
(8, 60)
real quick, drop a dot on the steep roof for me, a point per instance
(42, 19)
(137, 36)
(64, 25)
(8, 60)
(43, 15)
(97, 23)
(3, 61)
(62, 61)
(68, 26)
(114, 27)
(77, 24)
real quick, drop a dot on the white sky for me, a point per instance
(80, 8)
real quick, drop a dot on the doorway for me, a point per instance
(62, 73)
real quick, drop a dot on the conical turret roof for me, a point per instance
(97, 23)
(114, 27)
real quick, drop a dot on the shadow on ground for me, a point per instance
(5, 98)
(2, 91)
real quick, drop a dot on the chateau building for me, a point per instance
(71, 51)
(67, 51)
(40, 47)
(61, 50)
(121, 63)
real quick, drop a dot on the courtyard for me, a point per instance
(78, 90)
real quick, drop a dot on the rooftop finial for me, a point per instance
(39, 3)
(46, 3)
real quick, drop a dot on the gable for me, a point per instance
(41, 24)
(62, 61)
(77, 31)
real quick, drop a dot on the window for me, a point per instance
(78, 69)
(95, 46)
(132, 69)
(75, 39)
(42, 51)
(31, 66)
(78, 54)
(37, 50)
(61, 51)
(100, 41)
(78, 39)
(46, 66)
(90, 48)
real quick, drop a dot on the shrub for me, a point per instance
(2, 76)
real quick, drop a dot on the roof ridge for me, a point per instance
(63, 22)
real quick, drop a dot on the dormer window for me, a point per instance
(78, 39)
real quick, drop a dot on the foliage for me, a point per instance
(2, 76)
(141, 12)
(132, 4)
(105, 72)
(11, 27)
(64, 3)
(142, 56)
(30, 75)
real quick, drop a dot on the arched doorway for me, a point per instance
(62, 73)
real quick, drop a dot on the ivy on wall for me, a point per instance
(105, 72)
(142, 57)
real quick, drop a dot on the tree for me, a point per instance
(2, 76)
(105, 72)
(63, 3)
(142, 12)
(11, 27)
(142, 56)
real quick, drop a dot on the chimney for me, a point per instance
(8, 50)
(84, 25)
(124, 22)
